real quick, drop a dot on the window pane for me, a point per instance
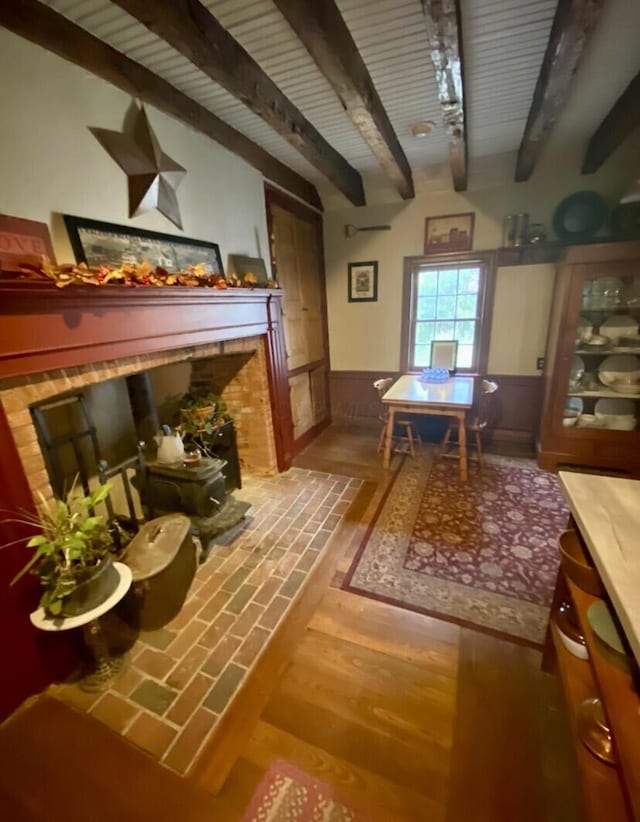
(465, 332)
(465, 356)
(469, 280)
(444, 331)
(447, 304)
(427, 283)
(426, 308)
(448, 281)
(424, 333)
(446, 308)
(466, 306)
(422, 356)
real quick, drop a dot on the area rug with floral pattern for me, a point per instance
(481, 553)
(287, 794)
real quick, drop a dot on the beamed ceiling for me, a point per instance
(319, 94)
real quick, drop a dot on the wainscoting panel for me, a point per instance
(519, 401)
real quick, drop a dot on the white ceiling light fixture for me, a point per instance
(421, 129)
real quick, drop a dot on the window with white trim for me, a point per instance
(446, 302)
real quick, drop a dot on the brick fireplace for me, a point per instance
(246, 393)
(53, 341)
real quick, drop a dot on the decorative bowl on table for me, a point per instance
(577, 564)
(592, 728)
(434, 375)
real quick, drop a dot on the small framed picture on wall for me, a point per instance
(363, 282)
(449, 233)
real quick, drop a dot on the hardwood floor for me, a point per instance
(413, 716)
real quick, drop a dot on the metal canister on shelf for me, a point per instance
(514, 230)
(521, 229)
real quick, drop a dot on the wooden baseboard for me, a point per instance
(236, 724)
(301, 443)
(519, 401)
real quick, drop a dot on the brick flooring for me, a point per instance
(183, 677)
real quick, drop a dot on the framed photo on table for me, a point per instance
(449, 233)
(96, 243)
(444, 354)
(363, 282)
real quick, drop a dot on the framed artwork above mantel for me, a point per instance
(97, 243)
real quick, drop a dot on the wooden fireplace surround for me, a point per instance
(44, 328)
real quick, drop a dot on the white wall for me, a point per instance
(520, 318)
(51, 164)
(366, 336)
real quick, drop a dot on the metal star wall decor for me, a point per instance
(153, 176)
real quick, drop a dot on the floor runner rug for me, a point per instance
(481, 553)
(287, 794)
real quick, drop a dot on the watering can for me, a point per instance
(170, 447)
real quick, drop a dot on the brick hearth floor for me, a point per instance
(182, 677)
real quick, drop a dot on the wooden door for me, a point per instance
(297, 259)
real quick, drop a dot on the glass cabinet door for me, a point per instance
(603, 390)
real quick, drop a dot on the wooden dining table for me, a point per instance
(411, 395)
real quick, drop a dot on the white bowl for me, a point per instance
(569, 421)
(626, 388)
(618, 408)
(616, 423)
(590, 421)
(572, 646)
(619, 367)
(619, 325)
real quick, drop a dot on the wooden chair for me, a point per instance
(410, 434)
(481, 417)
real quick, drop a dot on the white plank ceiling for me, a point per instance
(503, 40)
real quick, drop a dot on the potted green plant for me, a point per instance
(73, 553)
(201, 415)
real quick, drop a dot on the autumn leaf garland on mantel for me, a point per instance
(135, 274)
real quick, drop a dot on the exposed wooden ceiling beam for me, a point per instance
(41, 25)
(620, 123)
(192, 30)
(445, 49)
(324, 33)
(573, 25)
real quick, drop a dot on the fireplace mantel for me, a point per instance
(44, 327)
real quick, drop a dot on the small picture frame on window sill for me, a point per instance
(362, 282)
(444, 354)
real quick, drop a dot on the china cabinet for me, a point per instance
(591, 410)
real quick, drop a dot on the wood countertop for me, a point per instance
(607, 511)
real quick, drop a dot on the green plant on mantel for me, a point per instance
(201, 415)
(71, 547)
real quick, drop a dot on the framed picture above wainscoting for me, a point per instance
(363, 282)
(449, 233)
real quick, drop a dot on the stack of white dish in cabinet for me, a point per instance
(621, 373)
(617, 415)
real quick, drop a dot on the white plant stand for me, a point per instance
(106, 665)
